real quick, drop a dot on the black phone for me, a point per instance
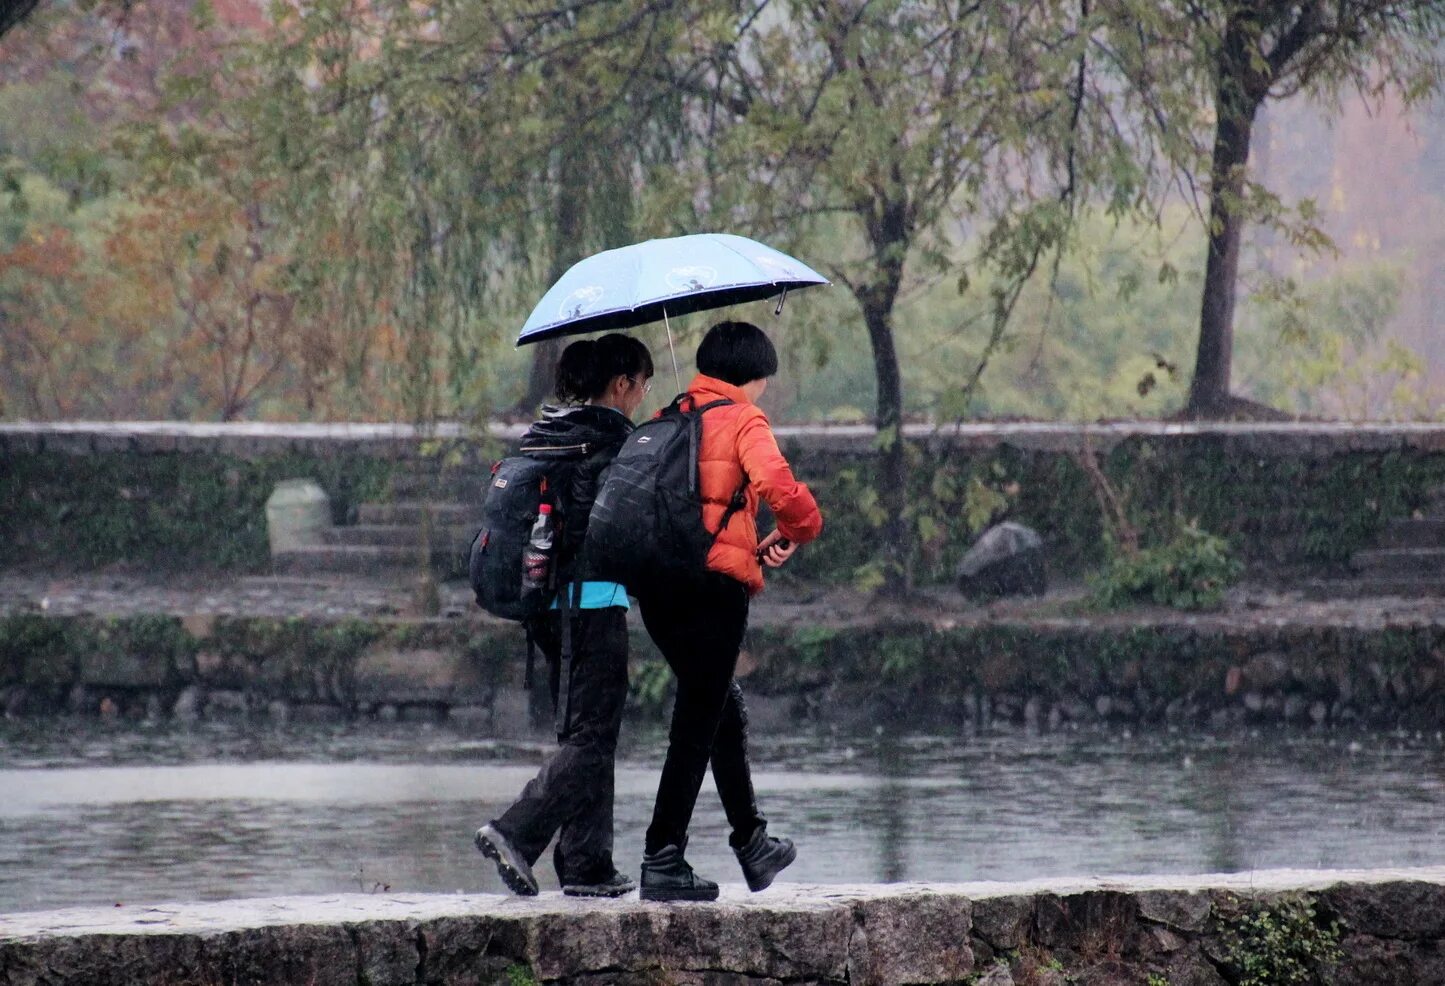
(780, 543)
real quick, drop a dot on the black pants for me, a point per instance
(700, 632)
(573, 790)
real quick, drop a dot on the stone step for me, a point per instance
(1413, 532)
(1400, 561)
(408, 512)
(402, 535)
(368, 559)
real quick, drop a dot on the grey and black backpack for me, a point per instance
(518, 487)
(646, 528)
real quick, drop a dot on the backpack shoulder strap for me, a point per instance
(739, 500)
(685, 397)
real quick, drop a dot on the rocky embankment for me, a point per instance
(334, 651)
(1371, 928)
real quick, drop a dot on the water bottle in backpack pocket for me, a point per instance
(539, 557)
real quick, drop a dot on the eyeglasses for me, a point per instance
(646, 385)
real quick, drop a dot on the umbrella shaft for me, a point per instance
(676, 376)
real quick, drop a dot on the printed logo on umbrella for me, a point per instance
(581, 301)
(693, 278)
(773, 263)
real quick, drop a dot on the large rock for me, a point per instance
(888, 936)
(1399, 909)
(1006, 560)
(1179, 909)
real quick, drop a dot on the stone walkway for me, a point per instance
(1088, 930)
(338, 598)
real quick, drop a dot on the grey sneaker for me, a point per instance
(613, 886)
(515, 872)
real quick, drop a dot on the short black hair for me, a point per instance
(737, 352)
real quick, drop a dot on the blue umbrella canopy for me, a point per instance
(638, 284)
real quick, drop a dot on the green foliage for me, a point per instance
(420, 172)
(651, 686)
(1189, 571)
(152, 634)
(32, 639)
(1156, 979)
(521, 975)
(902, 656)
(813, 644)
(1323, 348)
(1281, 944)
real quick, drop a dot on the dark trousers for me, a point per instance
(700, 632)
(573, 790)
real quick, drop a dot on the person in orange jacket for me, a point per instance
(699, 627)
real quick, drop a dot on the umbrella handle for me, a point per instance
(676, 376)
(781, 298)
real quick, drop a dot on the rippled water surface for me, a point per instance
(97, 814)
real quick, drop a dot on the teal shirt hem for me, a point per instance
(599, 595)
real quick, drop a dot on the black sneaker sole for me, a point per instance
(669, 895)
(597, 890)
(766, 882)
(514, 878)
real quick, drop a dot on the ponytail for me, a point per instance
(589, 365)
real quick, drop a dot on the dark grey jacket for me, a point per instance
(591, 436)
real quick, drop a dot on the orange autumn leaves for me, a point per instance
(180, 306)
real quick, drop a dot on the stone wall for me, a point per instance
(1375, 928)
(1156, 669)
(1304, 439)
(78, 496)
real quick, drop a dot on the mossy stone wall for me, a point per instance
(1186, 671)
(1305, 505)
(1300, 496)
(165, 510)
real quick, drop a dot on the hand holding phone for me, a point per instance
(775, 550)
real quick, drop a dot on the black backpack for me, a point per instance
(519, 485)
(646, 528)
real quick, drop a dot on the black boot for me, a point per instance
(764, 857)
(666, 876)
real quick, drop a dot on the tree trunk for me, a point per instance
(1209, 389)
(568, 221)
(12, 12)
(877, 301)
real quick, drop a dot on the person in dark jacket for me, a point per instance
(601, 384)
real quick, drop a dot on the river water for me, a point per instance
(96, 813)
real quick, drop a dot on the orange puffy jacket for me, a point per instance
(738, 443)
